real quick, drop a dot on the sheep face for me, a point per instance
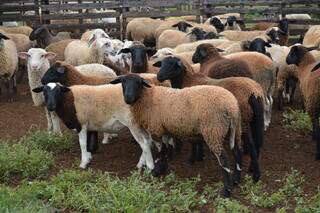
(217, 23)
(274, 33)
(296, 54)
(231, 20)
(171, 68)
(198, 33)
(284, 26)
(57, 73)
(182, 26)
(139, 56)
(53, 94)
(132, 87)
(39, 33)
(37, 58)
(211, 35)
(258, 45)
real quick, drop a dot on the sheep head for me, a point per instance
(132, 87)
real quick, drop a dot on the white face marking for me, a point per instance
(52, 85)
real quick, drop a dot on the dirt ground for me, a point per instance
(283, 149)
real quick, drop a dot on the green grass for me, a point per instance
(298, 121)
(91, 191)
(32, 156)
(21, 161)
(50, 142)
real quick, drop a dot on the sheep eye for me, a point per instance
(42, 56)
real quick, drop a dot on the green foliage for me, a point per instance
(297, 120)
(19, 160)
(308, 205)
(255, 193)
(51, 142)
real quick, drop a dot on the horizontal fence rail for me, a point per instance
(113, 15)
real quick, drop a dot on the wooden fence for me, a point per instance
(78, 15)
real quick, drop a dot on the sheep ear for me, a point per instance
(312, 48)
(116, 81)
(151, 51)
(189, 25)
(38, 30)
(246, 45)
(37, 89)
(61, 69)
(2, 36)
(316, 67)
(226, 24)
(125, 50)
(50, 55)
(145, 83)
(65, 89)
(175, 25)
(220, 50)
(267, 44)
(240, 21)
(23, 55)
(91, 39)
(157, 64)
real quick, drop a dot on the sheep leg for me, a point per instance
(227, 180)
(161, 162)
(254, 155)
(10, 87)
(196, 152)
(55, 123)
(85, 155)
(92, 141)
(280, 102)
(237, 153)
(49, 120)
(315, 129)
(293, 89)
(145, 141)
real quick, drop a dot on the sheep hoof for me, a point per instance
(226, 193)
(160, 167)
(256, 177)
(83, 165)
(236, 178)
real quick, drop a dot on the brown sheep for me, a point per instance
(308, 75)
(58, 48)
(249, 94)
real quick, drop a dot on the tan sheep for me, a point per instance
(312, 36)
(193, 46)
(20, 30)
(208, 111)
(142, 29)
(58, 48)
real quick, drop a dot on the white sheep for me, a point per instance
(94, 34)
(38, 64)
(8, 64)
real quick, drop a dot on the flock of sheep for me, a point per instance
(223, 81)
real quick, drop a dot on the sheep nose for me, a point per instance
(34, 67)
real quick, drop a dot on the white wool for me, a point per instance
(37, 66)
(96, 70)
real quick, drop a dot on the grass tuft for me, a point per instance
(297, 120)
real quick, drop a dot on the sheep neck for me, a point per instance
(306, 61)
(67, 112)
(208, 60)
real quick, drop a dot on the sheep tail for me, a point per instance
(257, 123)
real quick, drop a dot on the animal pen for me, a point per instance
(77, 16)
